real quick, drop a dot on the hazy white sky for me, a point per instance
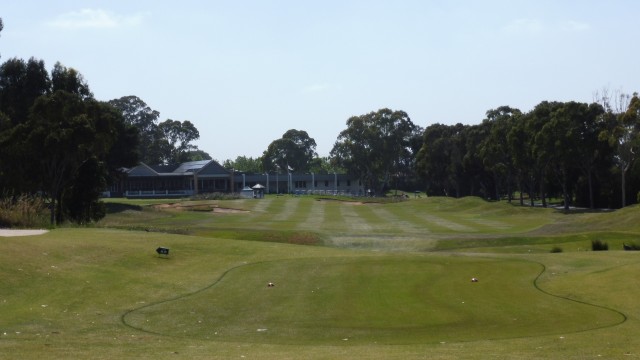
(245, 72)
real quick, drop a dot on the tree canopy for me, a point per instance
(167, 142)
(565, 150)
(56, 139)
(294, 151)
(376, 146)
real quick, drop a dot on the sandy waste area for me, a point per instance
(20, 232)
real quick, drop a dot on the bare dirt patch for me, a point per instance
(228, 211)
(15, 232)
(199, 207)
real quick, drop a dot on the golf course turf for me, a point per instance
(350, 280)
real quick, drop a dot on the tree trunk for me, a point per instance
(591, 202)
(521, 197)
(509, 192)
(496, 186)
(543, 196)
(623, 170)
(565, 194)
(532, 191)
(52, 210)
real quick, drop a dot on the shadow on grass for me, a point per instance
(115, 208)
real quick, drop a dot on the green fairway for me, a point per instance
(352, 280)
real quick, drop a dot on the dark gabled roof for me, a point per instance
(163, 169)
(213, 168)
(191, 166)
(142, 170)
(201, 167)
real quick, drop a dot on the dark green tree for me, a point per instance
(439, 161)
(177, 140)
(520, 145)
(69, 80)
(627, 137)
(196, 155)
(84, 192)
(61, 133)
(137, 113)
(543, 145)
(21, 83)
(375, 146)
(591, 149)
(64, 129)
(474, 177)
(244, 164)
(294, 151)
(495, 150)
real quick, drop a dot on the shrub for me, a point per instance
(631, 246)
(598, 245)
(216, 196)
(23, 211)
(556, 249)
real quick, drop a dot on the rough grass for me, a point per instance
(23, 211)
(104, 292)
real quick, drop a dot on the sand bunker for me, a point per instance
(12, 232)
(199, 207)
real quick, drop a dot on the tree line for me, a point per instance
(57, 140)
(582, 154)
(59, 143)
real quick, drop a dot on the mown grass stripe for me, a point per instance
(447, 224)
(314, 216)
(288, 210)
(353, 220)
(402, 224)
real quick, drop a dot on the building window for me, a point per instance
(326, 183)
(348, 182)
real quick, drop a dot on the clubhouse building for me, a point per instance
(208, 176)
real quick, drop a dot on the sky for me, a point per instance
(245, 72)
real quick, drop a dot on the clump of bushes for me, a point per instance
(556, 249)
(217, 196)
(598, 245)
(23, 211)
(201, 208)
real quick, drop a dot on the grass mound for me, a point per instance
(368, 300)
